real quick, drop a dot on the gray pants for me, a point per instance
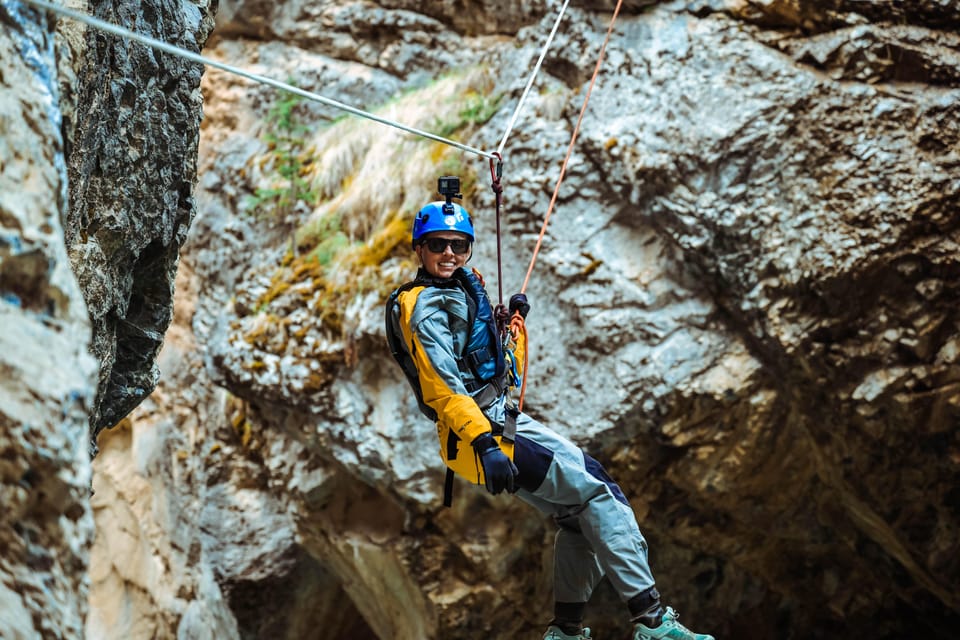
(598, 532)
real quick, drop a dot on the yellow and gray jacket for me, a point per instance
(443, 334)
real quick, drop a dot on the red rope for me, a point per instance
(520, 327)
(563, 167)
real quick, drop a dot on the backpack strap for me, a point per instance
(399, 350)
(486, 361)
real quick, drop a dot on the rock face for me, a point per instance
(47, 377)
(132, 170)
(745, 307)
(118, 121)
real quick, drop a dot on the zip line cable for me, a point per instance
(533, 76)
(309, 95)
(193, 57)
(573, 140)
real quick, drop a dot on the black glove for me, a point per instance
(518, 302)
(498, 470)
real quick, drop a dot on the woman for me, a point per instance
(444, 333)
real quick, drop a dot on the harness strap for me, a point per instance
(489, 392)
(452, 446)
(510, 424)
(448, 488)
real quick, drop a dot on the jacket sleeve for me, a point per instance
(426, 325)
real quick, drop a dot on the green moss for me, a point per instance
(478, 109)
(328, 248)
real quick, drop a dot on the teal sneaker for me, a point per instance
(670, 628)
(555, 633)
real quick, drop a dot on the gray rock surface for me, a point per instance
(132, 172)
(745, 306)
(47, 376)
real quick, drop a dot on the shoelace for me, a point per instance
(554, 634)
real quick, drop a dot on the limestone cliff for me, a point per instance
(47, 376)
(745, 307)
(132, 168)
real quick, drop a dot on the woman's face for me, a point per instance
(444, 263)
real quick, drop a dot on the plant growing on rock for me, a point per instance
(286, 162)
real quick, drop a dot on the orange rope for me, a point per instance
(518, 327)
(516, 323)
(563, 167)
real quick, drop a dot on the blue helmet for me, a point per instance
(441, 216)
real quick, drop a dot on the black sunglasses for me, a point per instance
(438, 245)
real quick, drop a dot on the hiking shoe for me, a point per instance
(670, 628)
(555, 633)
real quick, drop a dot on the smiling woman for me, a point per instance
(462, 367)
(442, 236)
